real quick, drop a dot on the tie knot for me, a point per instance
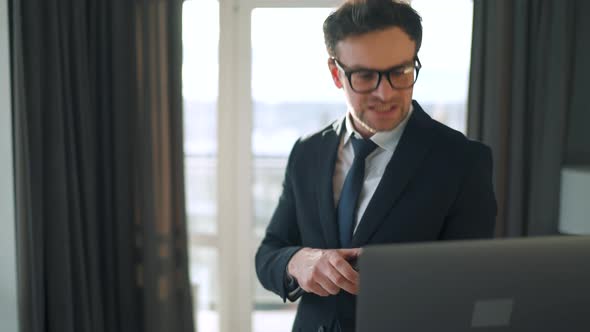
(362, 147)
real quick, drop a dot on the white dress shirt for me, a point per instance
(375, 163)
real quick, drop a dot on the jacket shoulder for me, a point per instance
(330, 129)
(453, 139)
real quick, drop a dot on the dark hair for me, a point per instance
(356, 17)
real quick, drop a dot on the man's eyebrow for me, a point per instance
(398, 66)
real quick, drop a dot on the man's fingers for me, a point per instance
(349, 254)
(324, 280)
(348, 283)
(316, 288)
(319, 290)
(319, 283)
(329, 271)
(344, 268)
(350, 287)
(343, 275)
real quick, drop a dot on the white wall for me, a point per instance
(8, 286)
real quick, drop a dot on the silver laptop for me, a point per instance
(527, 285)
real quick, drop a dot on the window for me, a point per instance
(200, 90)
(292, 95)
(445, 55)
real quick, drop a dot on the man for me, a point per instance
(385, 173)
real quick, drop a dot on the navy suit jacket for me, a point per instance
(437, 186)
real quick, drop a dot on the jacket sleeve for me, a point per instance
(282, 238)
(473, 213)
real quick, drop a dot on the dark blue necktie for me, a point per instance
(351, 189)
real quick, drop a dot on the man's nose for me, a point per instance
(385, 91)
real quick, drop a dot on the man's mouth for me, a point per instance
(383, 108)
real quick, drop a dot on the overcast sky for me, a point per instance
(289, 57)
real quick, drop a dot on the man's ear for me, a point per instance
(335, 73)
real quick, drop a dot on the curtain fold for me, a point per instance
(520, 103)
(101, 227)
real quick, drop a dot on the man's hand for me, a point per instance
(325, 271)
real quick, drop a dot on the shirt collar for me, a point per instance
(386, 140)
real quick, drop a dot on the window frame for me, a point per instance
(236, 241)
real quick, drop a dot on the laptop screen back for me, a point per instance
(533, 284)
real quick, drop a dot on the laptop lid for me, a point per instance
(530, 284)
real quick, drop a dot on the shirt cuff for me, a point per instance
(294, 291)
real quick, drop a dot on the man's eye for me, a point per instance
(399, 72)
(402, 71)
(366, 75)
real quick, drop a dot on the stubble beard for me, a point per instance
(357, 120)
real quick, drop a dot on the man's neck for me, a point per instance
(360, 127)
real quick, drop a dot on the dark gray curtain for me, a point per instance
(102, 242)
(526, 83)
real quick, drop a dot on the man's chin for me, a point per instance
(380, 125)
(385, 127)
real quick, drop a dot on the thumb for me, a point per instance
(350, 253)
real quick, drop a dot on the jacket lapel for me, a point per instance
(326, 157)
(409, 154)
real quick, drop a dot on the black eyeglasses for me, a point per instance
(367, 80)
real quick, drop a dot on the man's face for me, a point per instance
(384, 108)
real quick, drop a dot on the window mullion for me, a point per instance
(245, 260)
(234, 168)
